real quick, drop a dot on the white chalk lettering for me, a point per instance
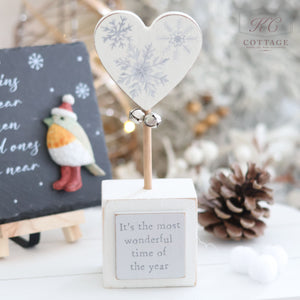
(9, 126)
(3, 149)
(21, 169)
(32, 147)
(12, 83)
(8, 103)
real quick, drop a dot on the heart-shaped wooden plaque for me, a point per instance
(147, 62)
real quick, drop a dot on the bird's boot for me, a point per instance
(75, 182)
(65, 173)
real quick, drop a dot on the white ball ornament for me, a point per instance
(263, 269)
(279, 254)
(241, 258)
(68, 98)
(181, 164)
(193, 155)
(293, 198)
(243, 153)
(280, 150)
(210, 151)
(203, 178)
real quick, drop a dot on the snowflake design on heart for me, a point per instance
(36, 61)
(117, 33)
(178, 39)
(142, 71)
(82, 90)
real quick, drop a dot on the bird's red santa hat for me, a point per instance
(65, 109)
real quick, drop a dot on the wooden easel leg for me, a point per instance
(4, 249)
(72, 233)
(68, 221)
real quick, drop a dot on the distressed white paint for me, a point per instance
(147, 62)
(167, 196)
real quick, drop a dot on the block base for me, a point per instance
(149, 236)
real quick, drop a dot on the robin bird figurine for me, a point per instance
(69, 146)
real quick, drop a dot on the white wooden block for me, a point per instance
(149, 236)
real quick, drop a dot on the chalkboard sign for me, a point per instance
(33, 81)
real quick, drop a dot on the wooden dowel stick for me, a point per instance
(147, 149)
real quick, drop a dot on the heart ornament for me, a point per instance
(147, 62)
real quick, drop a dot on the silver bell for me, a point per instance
(136, 115)
(152, 120)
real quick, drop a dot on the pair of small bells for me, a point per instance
(150, 119)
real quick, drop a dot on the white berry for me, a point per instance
(263, 269)
(241, 257)
(193, 155)
(243, 153)
(210, 150)
(68, 98)
(181, 164)
(279, 254)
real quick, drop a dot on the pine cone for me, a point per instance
(232, 209)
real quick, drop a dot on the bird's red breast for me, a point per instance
(58, 136)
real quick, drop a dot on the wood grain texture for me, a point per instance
(57, 35)
(42, 224)
(147, 156)
(134, 189)
(4, 249)
(97, 6)
(72, 233)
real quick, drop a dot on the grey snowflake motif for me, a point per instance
(36, 61)
(82, 90)
(117, 33)
(142, 71)
(178, 39)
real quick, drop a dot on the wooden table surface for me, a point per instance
(57, 270)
